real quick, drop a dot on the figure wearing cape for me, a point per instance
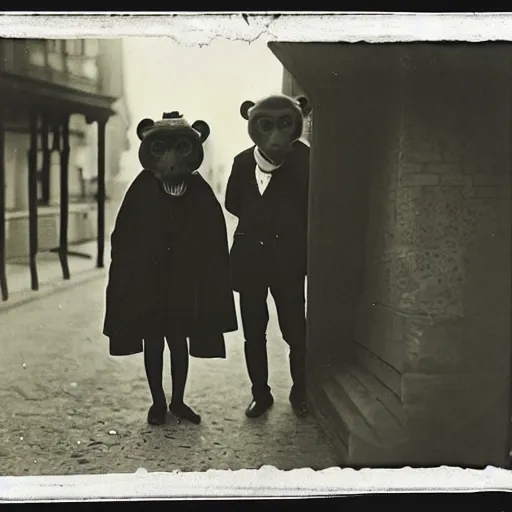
(201, 263)
(152, 281)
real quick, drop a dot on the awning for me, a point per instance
(46, 100)
(20, 90)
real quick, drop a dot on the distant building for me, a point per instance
(58, 99)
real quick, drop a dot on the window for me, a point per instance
(55, 48)
(81, 57)
(36, 52)
(75, 47)
(90, 69)
(91, 48)
(54, 45)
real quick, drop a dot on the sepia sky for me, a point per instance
(208, 83)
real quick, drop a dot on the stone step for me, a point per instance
(352, 418)
(384, 425)
(378, 368)
(335, 425)
(380, 392)
(348, 403)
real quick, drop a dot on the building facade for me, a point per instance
(86, 64)
(409, 297)
(60, 99)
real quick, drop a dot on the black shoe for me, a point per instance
(300, 408)
(184, 412)
(157, 414)
(299, 404)
(259, 407)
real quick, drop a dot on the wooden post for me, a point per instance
(32, 198)
(3, 276)
(101, 191)
(64, 198)
(45, 170)
(56, 129)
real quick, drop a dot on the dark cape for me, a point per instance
(143, 276)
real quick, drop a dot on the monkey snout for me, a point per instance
(277, 145)
(167, 168)
(167, 162)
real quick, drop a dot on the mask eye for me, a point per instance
(286, 121)
(184, 147)
(158, 148)
(265, 125)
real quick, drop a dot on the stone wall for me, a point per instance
(409, 306)
(436, 301)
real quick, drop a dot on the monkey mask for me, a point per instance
(172, 149)
(274, 124)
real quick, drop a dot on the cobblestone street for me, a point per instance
(68, 407)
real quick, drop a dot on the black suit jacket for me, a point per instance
(270, 240)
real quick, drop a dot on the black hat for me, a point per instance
(172, 115)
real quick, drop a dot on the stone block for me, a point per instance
(457, 420)
(419, 180)
(487, 164)
(429, 282)
(456, 180)
(436, 345)
(497, 180)
(412, 168)
(500, 192)
(443, 169)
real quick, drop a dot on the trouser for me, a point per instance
(153, 363)
(290, 304)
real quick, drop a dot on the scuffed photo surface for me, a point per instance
(408, 227)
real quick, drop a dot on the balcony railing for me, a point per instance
(71, 63)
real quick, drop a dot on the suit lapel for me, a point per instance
(275, 186)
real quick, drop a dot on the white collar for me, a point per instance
(263, 162)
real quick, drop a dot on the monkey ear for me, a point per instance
(245, 107)
(203, 129)
(143, 126)
(304, 105)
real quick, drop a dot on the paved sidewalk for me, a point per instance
(68, 407)
(50, 271)
(50, 274)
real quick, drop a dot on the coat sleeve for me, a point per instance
(305, 168)
(233, 198)
(120, 240)
(122, 285)
(306, 182)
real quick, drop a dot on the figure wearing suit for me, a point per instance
(268, 192)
